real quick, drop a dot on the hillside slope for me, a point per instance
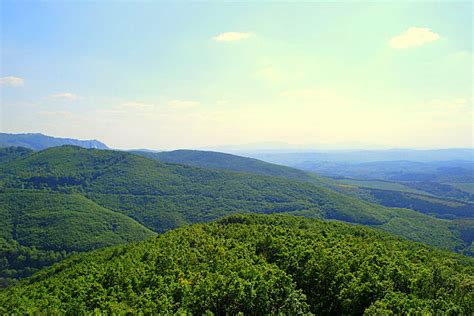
(222, 161)
(70, 222)
(375, 192)
(163, 196)
(254, 264)
(38, 228)
(8, 154)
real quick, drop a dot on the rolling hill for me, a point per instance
(11, 153)
(439, 188)
(254, 264)
(163, 196)
(58, 221)
(221, 161)
(437, 199)
(38, 228)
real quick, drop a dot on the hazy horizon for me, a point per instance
(268, 146)
(207, 75)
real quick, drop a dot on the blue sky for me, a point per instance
(169, 75)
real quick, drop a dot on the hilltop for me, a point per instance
(163, 196)
(254, 264)
(222, 161)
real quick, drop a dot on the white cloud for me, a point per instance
(11, 81)
(413, 37)
(65, 96)
(183, 104)
(233, 36)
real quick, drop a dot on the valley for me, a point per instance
(104, 198)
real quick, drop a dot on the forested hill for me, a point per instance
(8, 154)
(37, 141)
(256, 265)
(222, 161)
(163, 196)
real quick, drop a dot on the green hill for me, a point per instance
(8, 154)
(254, 264)
(437, 188)
(163, 196)
(38, 228)
(381, 192)
(70, 222)
(222, 161)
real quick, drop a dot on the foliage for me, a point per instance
(8, 154)
(163, 196)
(17, 261)
(70, 222)
(438, 188)
(222, 161)
(254, 264)
(72, 199)
(444, 208)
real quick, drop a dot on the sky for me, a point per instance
(168, 75)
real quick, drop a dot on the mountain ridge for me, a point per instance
(162, 196)
(38, 141)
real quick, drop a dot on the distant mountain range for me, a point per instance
(293, 157)
(360, 156)
(37, 141)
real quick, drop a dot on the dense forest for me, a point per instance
(105, 198)
(432, 205)
(222, 161)
(17, 261)
(255, 264)
(444, 189)
(163, 196)
(267, 157)
(434, 198)
(39, 228)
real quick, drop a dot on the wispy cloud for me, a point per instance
(413, 37)
(233, 36)
(183, 104)
(11, 81)
(65, 96)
